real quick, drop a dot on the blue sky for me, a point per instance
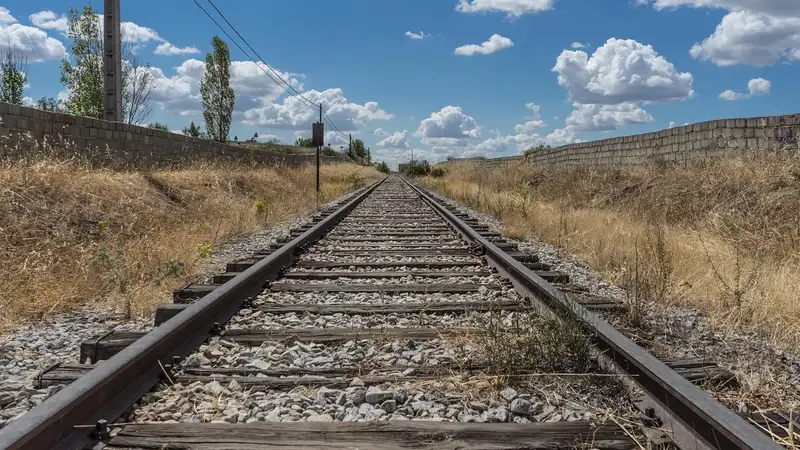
(454, 77)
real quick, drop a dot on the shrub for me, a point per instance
(383, 167)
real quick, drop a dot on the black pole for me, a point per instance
(320, 121)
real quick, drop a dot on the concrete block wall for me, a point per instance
(24, 130)
(679, 145)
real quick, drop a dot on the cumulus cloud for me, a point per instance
(495, 43)
(48, 20)
(168, 49)
(754, 32)
(512, 8)
(759, 86)
(35, 43)
(606, 117)
(398, 139)
(537, 110)
(271, 138)
(135, 33)
(294, 113)
(577, 45)
(5, 16)
(622, 70)
(756, 86)
(420, 35)
(529, 126)
(449, 126)
(380, 132)
(746, 37)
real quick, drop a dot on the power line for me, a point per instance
(294, 92)
(288, 85)
(237, 44)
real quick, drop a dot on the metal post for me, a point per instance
(350, 147)
(320, 121)
(112, 62)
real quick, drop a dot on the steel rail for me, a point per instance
(695, 419)
(113, 386)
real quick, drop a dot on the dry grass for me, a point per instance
(70, 233)
(723, 237)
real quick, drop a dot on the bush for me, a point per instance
(437, 172)
(383, 167)
(417, 169)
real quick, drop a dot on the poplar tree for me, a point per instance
(217, 93)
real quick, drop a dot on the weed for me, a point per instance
(531, 343)
(205, 250)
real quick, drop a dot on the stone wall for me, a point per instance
(25, 131)
(679, 145)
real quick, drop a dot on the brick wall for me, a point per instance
(114, 144)
(679, 145)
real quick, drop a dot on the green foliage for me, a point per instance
(217, 93)
(261, 207)
(383, 167)
(193, 130)
(357, 150)
(205, 250)
(417, 168)
(49, 104)
(538, 148)
(159, 126)
(83, 75)
(437, 172)
(304, 142)
(13, 75)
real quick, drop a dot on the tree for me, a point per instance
(138, 85)
(84, 79)
(304, 142)
(217, 93)
(13, 75)
(49, 104)
(358, 149)
(236, 139)
(383, 167)
(159, 126)
(369, 157)
(83, 75)
(193, 130)
(538, 148)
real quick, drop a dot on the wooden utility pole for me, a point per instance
(318, 146)
(350, 147)
(112, 62)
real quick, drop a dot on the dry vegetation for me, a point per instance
(723, 237)
(70, 234)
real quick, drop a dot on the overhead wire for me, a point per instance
(288, 87)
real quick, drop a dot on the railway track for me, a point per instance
(390, 322)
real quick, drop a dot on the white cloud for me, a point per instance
(271, 138)
(495, 43)
(529, 126)
(398, 139)
(773, 7)
(759, 86)
(420, 35)
(746, 37)
(449, 126)
(134, 33)
(5, 16)
(35, 43)
(48, 20)
(577, 45)
(622, 70)
(671, 125)
(168, 49)
(335, 139)
(512, 8)
(606, 117)
(380, 132)
(756, 86)
(537, 110)
(293, 113)
(730, 95)
(754, 32)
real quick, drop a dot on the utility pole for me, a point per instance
(112, 62)
(350, 147)
(318, 146)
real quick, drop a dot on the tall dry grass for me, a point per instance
(70, 233)
(722, 237)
